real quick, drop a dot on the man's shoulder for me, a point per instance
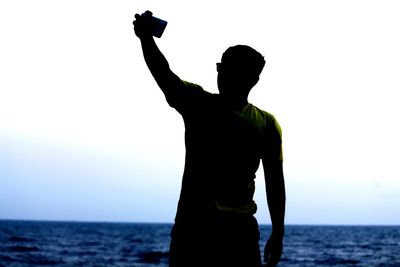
(262, 114)
(195, 89)
(190, 84)
(264, 120)
(190, 97)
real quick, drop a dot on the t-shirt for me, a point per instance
(223, 151)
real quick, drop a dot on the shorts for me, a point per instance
(228, 240)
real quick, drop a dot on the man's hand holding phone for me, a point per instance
(146, 25)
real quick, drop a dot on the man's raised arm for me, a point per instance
(155, 60)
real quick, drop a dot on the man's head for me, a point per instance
(239, 70)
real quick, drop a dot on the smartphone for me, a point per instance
(157, 26)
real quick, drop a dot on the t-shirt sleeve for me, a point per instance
(272, 148)
(187, 97)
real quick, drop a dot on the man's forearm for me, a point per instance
(155, 60)
(276, 197)
(157, 63)
(276, 204)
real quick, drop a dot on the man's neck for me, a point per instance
(235, 103)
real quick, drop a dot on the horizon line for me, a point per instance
(171, 223)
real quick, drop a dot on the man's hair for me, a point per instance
(245, 59)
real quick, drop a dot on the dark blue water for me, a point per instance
(31, 243)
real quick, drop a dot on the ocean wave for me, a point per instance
(21, 239)
(152, 257)
(22, 248)
(42, 260)
(5, 258)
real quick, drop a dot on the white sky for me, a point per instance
(85, 134)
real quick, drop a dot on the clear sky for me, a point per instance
(85, 133)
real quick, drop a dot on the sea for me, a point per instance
(46, 243)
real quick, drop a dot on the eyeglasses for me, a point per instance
(219, 66)
(227, 69)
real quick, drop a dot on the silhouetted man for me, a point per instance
(225, 139)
